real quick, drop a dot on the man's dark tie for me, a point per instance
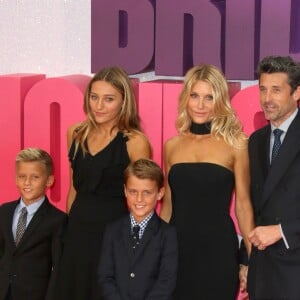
(21, 226)
(277, 143)
(135, 237)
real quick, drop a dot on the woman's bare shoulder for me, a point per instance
(138, 146)
(173, 141)
(137, 136)
(173, 144)
(242, 143)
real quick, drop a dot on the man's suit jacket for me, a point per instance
(26, 268)
(275, 193)
(150, 273)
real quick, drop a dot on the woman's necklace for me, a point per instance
(200, 129)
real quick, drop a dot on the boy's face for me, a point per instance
(32, 180)
(142, 195)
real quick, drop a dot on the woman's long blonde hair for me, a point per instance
(224, 122)
(128, 119)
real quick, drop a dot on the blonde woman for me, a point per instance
(100, 148)
(205, 163)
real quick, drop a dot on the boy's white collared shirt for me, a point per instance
(31, 210)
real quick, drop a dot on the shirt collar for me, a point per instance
(31, 208)
(286, 124)
(142, 224)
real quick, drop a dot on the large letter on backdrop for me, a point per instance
(158, 117)
(50, 107)
(239, 41)
(275, 27)
(13, 89)
(171, 92)
(150, 110)
(246, 104)
(187, 33)
(122, 34)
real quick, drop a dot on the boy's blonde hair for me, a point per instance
(36, 154)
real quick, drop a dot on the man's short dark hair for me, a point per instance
(281, 64)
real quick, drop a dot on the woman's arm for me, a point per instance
(138, 147)
(166, 208)
(71, 192)
(243, 206)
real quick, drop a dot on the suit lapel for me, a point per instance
(126, 237)
(264, 152)
(36, 219)
(150, 230)
(287, 153)
(9, 221)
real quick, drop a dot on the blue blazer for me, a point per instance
(275, 193)
(150, 273)
(27, 268)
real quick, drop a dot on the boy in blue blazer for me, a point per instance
(139, 254)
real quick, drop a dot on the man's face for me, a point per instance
(276, 99)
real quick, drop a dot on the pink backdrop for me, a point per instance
(38, 111)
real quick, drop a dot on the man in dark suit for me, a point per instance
(139, 264)
(30, 231)
(274, 153)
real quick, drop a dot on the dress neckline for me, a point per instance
(213, 164)
(104, 148)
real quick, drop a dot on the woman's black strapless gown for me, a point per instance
(208, 244)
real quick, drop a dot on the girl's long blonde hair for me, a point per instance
(128, 120)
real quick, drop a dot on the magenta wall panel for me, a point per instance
(127, 39)
(13, 89)
(150, 109)
(40, 111)
(246, 103)
(170, 36)
(171, 91)
(50, 107)
(275, 27)
(187, 33)
(240, 39)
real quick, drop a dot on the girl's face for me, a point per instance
(105, 103)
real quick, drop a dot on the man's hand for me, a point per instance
(264, 236)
